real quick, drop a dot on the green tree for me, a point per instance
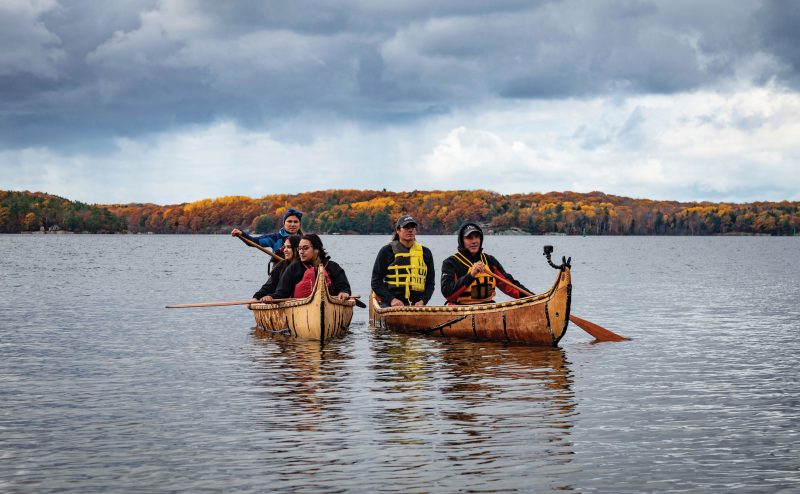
(263, 223)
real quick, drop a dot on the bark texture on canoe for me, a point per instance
(539, 320)
(318, 316)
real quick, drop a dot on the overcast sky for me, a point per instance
(173, 101)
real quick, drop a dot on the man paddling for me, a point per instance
(275, 241)
(470, 275)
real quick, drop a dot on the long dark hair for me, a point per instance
(316, 243)
(291, 242)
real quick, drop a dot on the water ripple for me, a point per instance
(105, 390)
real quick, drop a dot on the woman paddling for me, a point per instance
(298, 279)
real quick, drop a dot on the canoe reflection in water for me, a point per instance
(303, 382)
(493, 408)
(420, 413)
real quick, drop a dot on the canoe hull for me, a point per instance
(316, 317)
(538, 320)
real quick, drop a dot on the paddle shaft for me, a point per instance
(599, 332)
(246, 302)
(209, 304)
(253, 244)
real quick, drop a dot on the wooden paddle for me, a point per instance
(600, 333)
(210, 304)
(253, 244)
(359, 303)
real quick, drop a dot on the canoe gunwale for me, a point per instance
(461, 308)
(298, 302)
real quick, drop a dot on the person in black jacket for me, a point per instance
(470, 276)
(290, 255)
(298, 279)
(403, 273)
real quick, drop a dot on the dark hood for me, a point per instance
(461, 238)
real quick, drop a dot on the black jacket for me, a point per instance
(456, 278)
(385, 292)
(294, 273)
(272, 282)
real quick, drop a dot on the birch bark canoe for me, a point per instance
(316, 317)
(537, 320)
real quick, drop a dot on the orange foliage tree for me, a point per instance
(438, 212)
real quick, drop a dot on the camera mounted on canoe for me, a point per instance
(565, 263)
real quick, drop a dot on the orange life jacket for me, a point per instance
(481, 290)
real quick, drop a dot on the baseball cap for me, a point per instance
(405, 220)
(471, 229)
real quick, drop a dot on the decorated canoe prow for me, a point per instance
(538, 319)
(317, 317)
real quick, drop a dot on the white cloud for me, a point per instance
(467, 156)
(222, 159)
(693, 146)
(738, 146)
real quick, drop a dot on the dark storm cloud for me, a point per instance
(88, 71)
(780, 28)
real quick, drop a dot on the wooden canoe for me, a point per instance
(317, 317)
(539, 320)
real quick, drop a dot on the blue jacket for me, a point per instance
(273, 241)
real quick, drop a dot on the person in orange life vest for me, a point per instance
(298, 279)
(403, 273)
(290, 255)
(470, 275)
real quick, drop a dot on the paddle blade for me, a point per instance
(600, 333)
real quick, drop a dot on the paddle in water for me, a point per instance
(600, 333)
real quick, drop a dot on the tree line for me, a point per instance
(439, 212)
(36, 211)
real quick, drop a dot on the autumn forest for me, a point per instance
(438, 212)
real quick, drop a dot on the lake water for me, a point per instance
(103, 389)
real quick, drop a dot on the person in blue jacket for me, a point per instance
(275, 241)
